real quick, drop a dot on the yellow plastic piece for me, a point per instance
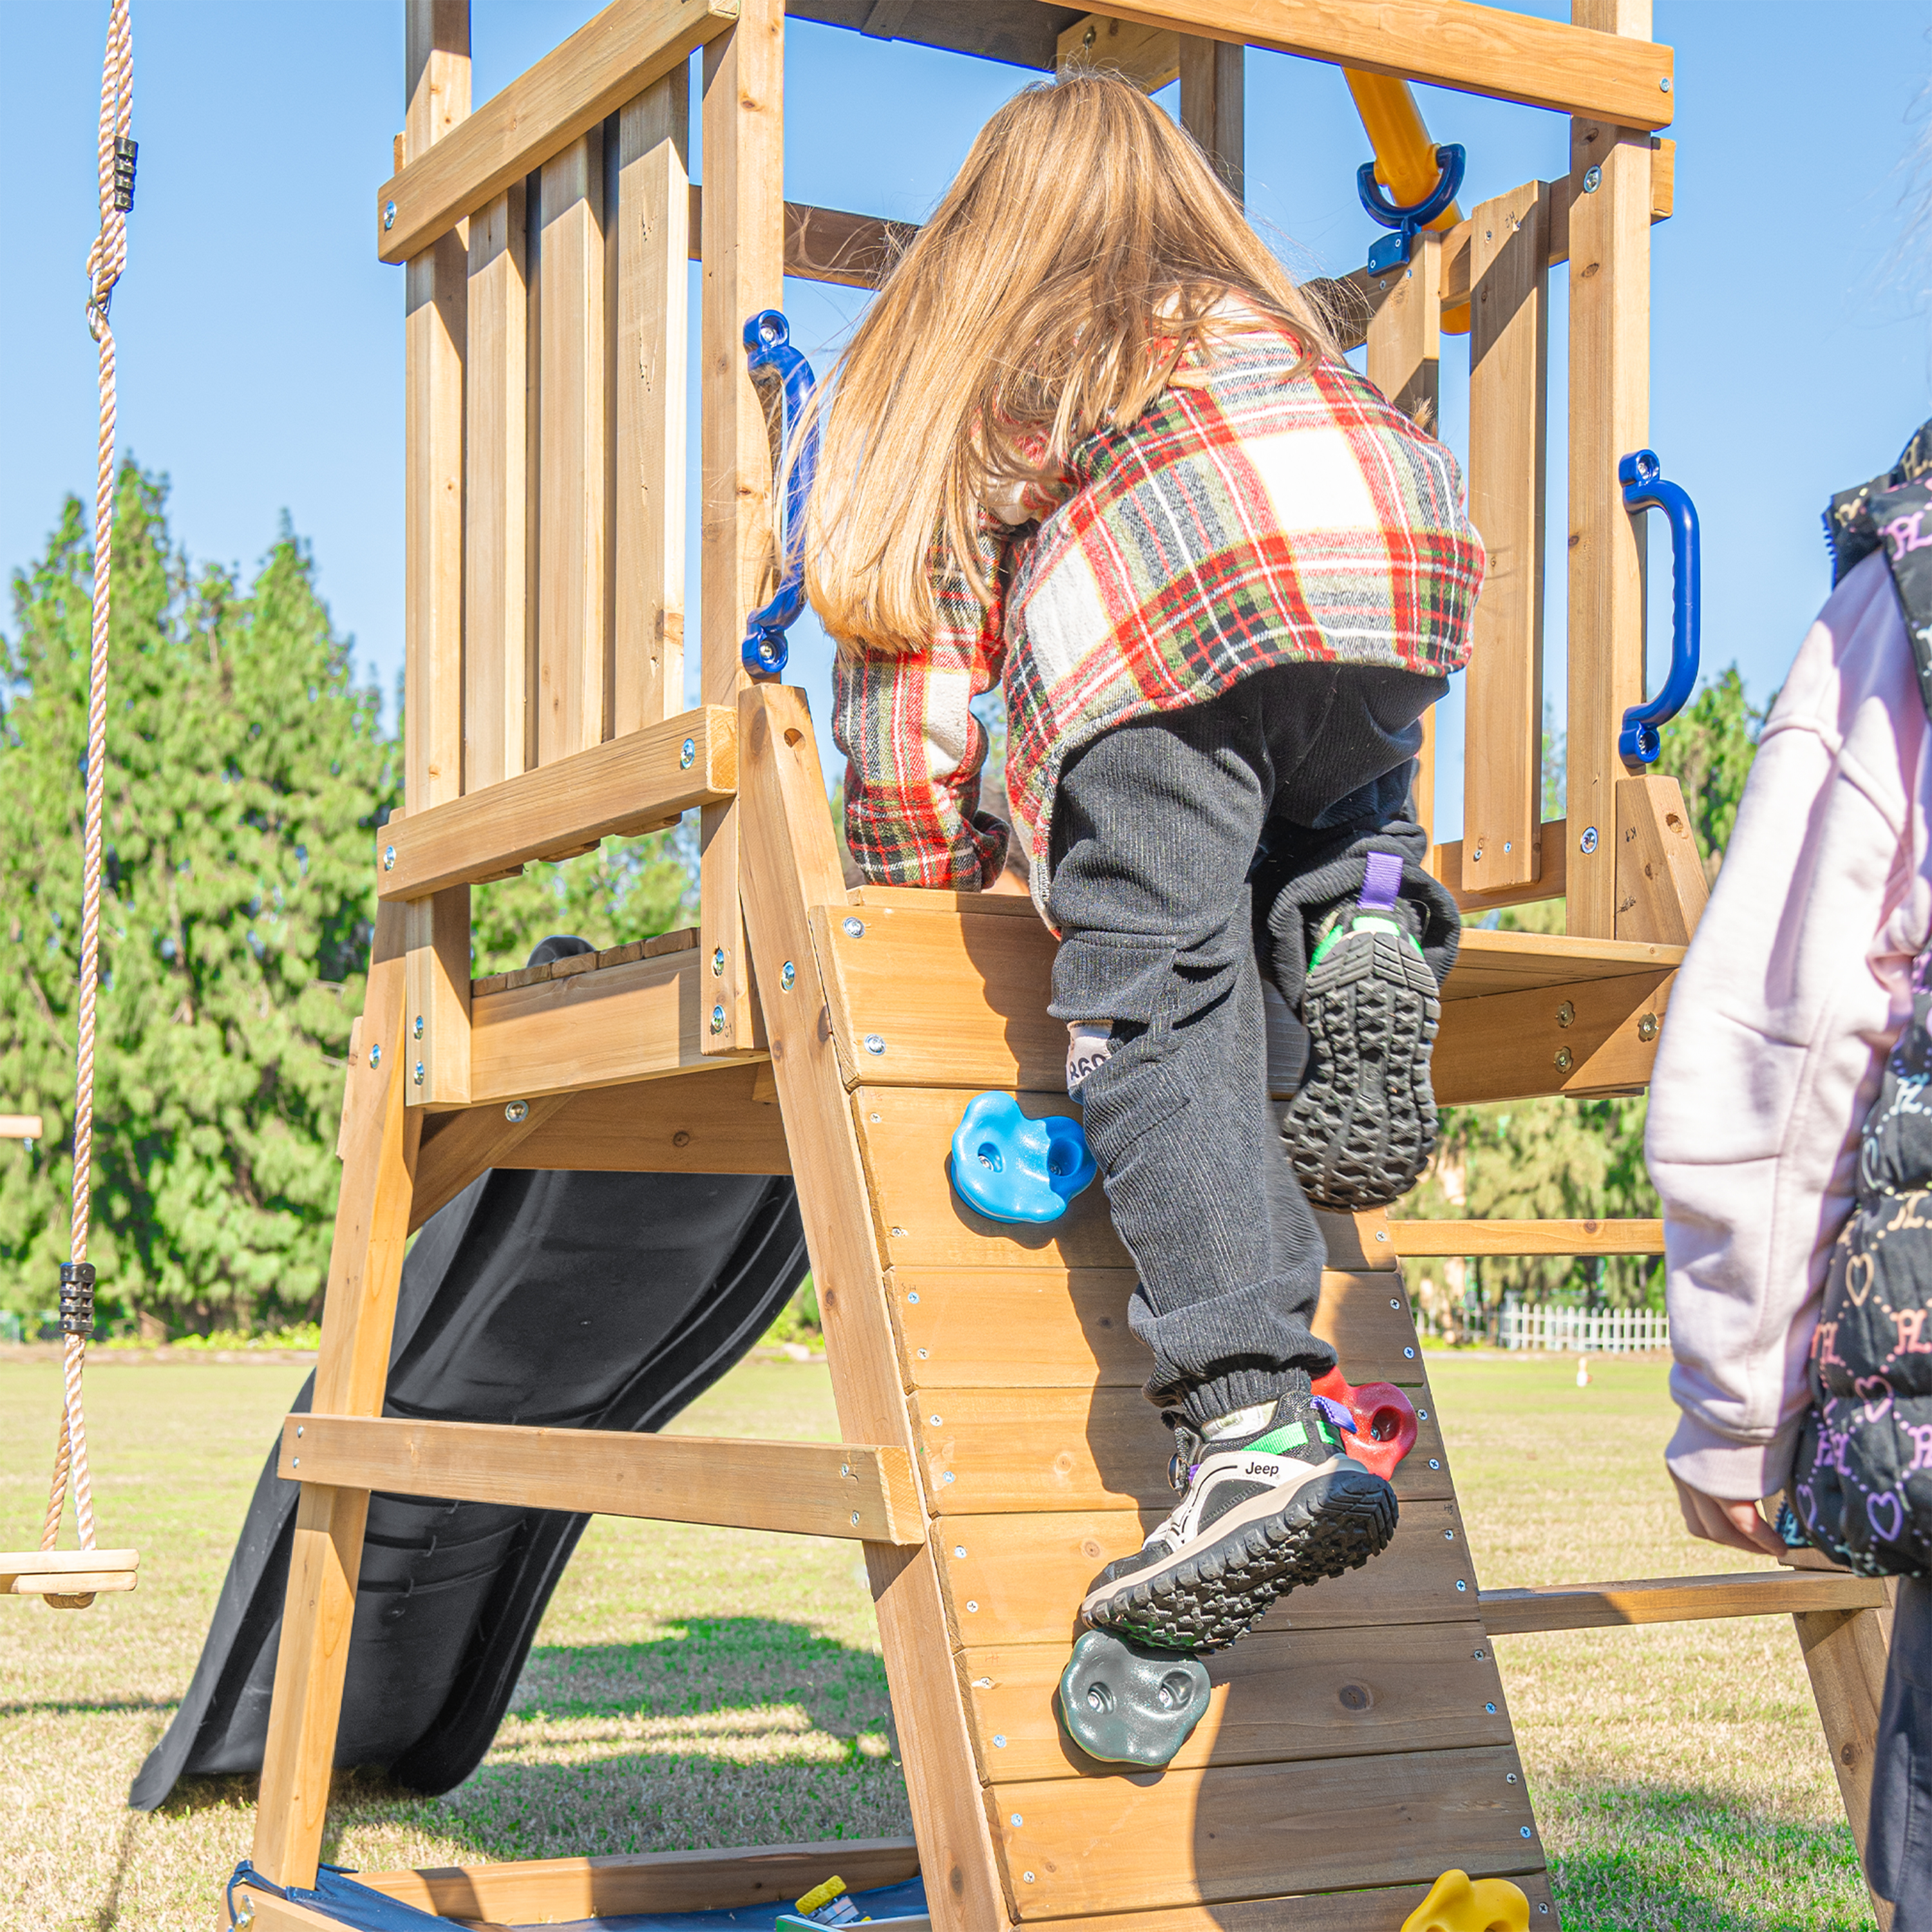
(821, 1895)
(1404, 155)
(1456, 1903)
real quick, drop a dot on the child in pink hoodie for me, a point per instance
(1796, 985)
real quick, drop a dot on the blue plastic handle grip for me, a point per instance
(769, 352)
(1646, 488)
(1392, 251)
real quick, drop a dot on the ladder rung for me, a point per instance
(809, 1489)
(631, 784)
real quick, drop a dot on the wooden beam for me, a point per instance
(705, 1122)
(1453, 43)
(1502, 759)
(1661, 891)
(1446, 862)
(791, 864)
(630, 784)
(1609, 416)
(1150, 57)
(1669, 1600)
(652, 221)
(496, 677)
(611, 60)
(1527, 1238)
(602, 1029)
(1592, 1036)
(806, 1489)
(1214, 104)
(1845, 1650)
(743, 242)
(573, 560)
(365, 1267)
(457, 1148)
(548, 1890)
(437, 999)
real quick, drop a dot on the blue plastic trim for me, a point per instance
(1392, 251)
(1646, 488)
(1010, 1168)
(769, 352)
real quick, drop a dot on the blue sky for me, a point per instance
(261, 341)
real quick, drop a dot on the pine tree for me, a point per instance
(628, 888)
(246, 776)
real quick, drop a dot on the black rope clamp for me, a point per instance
(125, 153)
(76, 1303)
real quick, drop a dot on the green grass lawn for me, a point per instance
(692, 1686)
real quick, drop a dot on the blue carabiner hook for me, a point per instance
(1644, 487)
(769, 352)
(1392, 251)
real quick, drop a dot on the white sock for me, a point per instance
(1238, 1422)
(1089, 1042)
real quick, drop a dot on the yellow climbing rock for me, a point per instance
(1456, 1903)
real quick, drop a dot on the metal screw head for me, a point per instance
(1524, 1829)
(855, 1524)
(874, 1044)
(1512, 1777)
(389, 222)
(1490, 1708)
(375, 1056)
(1478, 853)
(245, 1912)
(417, 1029)
(1460, 1585)
(418, 1075)
(1646, 1028)
(855, 928)
(787, 976)
(717, 1019)
(718, 963)
(999, 1741)
(1593, 179)
(1028, 1877)
(1409, 1355)
(1565, 1013)
(516, 1111)
(1565, 1060)
(959, 1549)
(1433, 1463)
(1587, 843)
(389, 858)
(1018, 1820)
(1664, 83)
(298, 1429)
(688, 757)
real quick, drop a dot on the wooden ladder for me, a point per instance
(996, 1449)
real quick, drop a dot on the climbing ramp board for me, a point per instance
(1355, 1747)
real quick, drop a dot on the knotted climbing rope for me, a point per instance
(105, 261)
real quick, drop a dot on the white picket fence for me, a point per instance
(1582, 1331)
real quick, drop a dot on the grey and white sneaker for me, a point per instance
(1271, 1499)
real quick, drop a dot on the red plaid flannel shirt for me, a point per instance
(1249, 521)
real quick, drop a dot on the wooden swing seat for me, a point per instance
(66, 1572)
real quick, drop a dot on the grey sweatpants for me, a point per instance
(1164, 831)
(1898, 1847)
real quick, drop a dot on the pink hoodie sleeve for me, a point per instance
(1795, 988)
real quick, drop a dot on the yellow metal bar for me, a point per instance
(1404, 155)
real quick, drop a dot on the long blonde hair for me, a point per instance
(1081, 252)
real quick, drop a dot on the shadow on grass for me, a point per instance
(759, 1731)
(1631, 1858)
(84, 1707)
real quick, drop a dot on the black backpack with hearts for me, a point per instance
(1861, 1483)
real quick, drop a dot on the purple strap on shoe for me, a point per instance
(1381, 883)
(1339, 1413)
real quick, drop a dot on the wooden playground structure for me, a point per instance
(997, 1449)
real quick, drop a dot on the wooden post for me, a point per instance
(1845, 1653)
(1609, 416)
(572, 639)
(365, 1268)
(435, 338)
(791, 865)
(496, 605)
(743, 224)
(1405, 362)
(1213, 102)
(1502, 756)
(652, 223)
(1660, 886)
